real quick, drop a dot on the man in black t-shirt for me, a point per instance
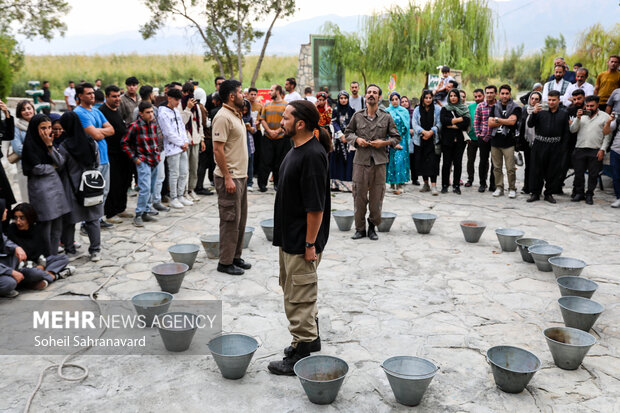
(120, 165)
(503, 121)
(301, 227)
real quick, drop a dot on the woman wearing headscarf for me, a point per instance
(23, 113)
(398, 165)
(325, 110)
(7, 132)
(341, 158)
(40, 162)
(81, 153)
(455, 121)
(406, 103)
(526, 137)
(426, 126)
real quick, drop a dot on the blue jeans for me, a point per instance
(147, 179)
(615, 171)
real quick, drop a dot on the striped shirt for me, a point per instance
(272, 114)
(141, 142)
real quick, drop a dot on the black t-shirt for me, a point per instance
(303, 187)
(120, 130)
(505, 135)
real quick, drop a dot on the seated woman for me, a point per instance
(24, 232)
(11, 275)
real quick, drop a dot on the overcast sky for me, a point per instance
(113, 16)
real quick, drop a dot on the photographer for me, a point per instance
(192, 117)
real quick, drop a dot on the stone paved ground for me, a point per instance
(433, 296)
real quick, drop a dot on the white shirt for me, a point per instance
(310, 98)
(294, 95)
(557, 85)
(70, 94)
(587, 88)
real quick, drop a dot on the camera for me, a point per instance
(545, 106)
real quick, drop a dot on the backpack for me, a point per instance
(90, 190)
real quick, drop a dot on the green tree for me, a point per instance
(554, 47)
(595, 46)
(225, 27)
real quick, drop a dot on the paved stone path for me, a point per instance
(433, 296)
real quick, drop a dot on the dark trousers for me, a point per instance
(527, 155)
(51, 232)
(585, 159)
(205, 162)
(472, 148)
(483, 166)
(615, 171)
(274, 151)
(412, 163)
(93, 230)
(452, 156)
(258, 148)
(546, 167)
(121, 170)
(233, 208)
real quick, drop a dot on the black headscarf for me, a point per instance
(76, 141)
(35, 151)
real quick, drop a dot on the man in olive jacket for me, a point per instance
(371, 131)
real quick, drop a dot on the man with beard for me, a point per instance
(231, 174)
(301, 228)
(275, 146)
(558, 83)
(580, 84)
(371, 131)
(578, 100)
(551, 131)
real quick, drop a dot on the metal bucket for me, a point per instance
(423, 222)
(321, 377)
(151, 304)
(512, 367)
(568, 346)
(387, 219)
(472, 230)
(211, 244)
(185, 253)
(576, 287)
(409, 377)
(344, 219)
(525, 243)
(542, 253)
(579, 312)
(170, 276)
(232, 353)
(267, 226)
(566, 266)
(507, 238)
(247, 236)
(177, 330)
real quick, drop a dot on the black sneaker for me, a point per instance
(137, 221)
(589, 200)
(482, 188)
(239, 262)
(203, 191)
(359, 234)
(263, 189)
(154, 212)
(230, 269)
(533, 198)
(285, 366)
(456, 190)
(103, 224)
(159, 207)
(148, 217)
(444, 189)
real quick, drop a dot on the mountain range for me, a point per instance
(525, 22)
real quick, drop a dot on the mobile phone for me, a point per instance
(198, 101)
(545, 106)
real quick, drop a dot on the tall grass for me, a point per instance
(156, 70)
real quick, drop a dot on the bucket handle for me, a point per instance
(258, 340)
(437, 368)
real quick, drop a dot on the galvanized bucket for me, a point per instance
(151, 304)
(507, 238)
(321, 377)
(568, 346)
(211, 245)
(512, 367)
(524, 244)
(177, 330)
(576, 287)
(409, 377)
(387, 219)
(423, 222)
(562, 266)
(170, 276)
(542, 253)
(267, 226)
(185, 253)
(472, 230)
(232, 353)
(579, 312)
(344, 219)
(247, 236)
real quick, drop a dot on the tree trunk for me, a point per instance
(365, 84)
(425, 80)
(239, 55)
(259, 62)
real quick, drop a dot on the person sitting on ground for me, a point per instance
(24, 232)
(11, 255)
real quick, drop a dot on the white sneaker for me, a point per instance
(175, 203)
(185, 201)
(95, 256)
(250, 189)
(616, 203)
(512, 194)
(434, 190)
(193, 197)
(12, 294)
(498, 192)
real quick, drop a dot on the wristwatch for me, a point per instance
(309, 244)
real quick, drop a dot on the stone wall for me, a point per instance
(305, 76)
